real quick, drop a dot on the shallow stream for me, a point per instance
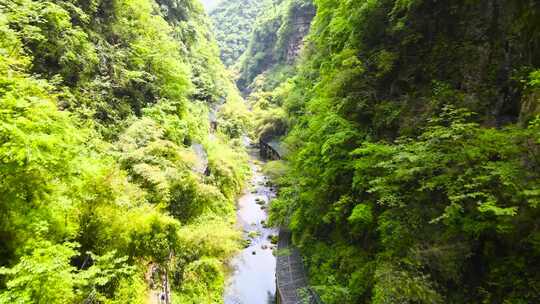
(252, 280)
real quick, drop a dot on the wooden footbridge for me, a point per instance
(291, 281)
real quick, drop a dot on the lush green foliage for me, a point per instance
(233, 23)
(275, 41)
(414, 172)
(269, 62)
(413, 129)
(104, 114)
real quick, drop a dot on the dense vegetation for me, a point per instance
(104, 106)
(269, 61)
(413, 131)
(233, 22)
(413, 173)
(274, 43)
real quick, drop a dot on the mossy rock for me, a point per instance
(530, 107)
(246, 243)
(254, 234)
(273, 239)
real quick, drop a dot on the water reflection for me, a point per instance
(252, 280)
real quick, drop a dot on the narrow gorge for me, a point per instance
(254, 151)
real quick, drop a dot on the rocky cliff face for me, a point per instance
(277, 39)
(530, 107)
(300, 21)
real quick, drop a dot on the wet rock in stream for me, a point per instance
(273, 239)
(246, 243)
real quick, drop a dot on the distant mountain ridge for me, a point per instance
(233, 24)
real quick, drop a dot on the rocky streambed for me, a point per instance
(252, 280)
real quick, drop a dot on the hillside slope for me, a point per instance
(103, 187)
(413, 132)
(233, 22)
(276, 40)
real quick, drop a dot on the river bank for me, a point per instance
(252, 279)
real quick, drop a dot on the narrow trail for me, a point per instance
(252, 279)
(160, 291)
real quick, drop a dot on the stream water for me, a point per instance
(252, 279)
